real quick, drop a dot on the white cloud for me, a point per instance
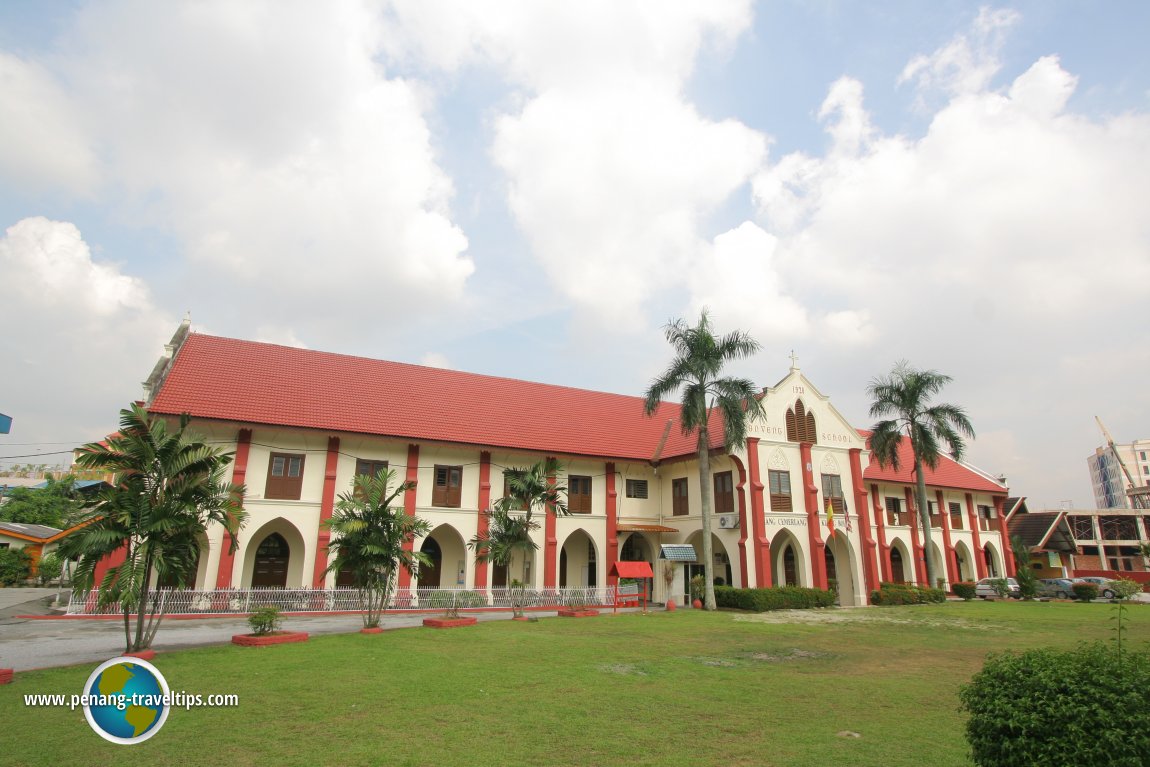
(77, 330)
(609, 170)
(267, 137)
(968, 62)
(42, 143)
(1005, 240)
(436, 360)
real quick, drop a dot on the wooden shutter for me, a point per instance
(724, 493)
(285, 476)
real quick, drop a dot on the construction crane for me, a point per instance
(1137, 496)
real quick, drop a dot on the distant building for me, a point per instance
(1106, 475)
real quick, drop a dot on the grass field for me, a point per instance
(683, 688)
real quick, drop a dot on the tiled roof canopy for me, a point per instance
(258, 383)
(949, 472)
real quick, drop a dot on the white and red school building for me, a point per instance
(303, 423)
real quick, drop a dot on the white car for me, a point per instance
(985, 588)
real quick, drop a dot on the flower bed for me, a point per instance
(263, 640)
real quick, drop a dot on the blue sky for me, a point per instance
(533, 189)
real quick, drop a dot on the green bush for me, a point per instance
(905, 594)
(1124, 588)
(776, 598)
(1076, 708)
(964, 589)
(1085, 591)
(265, 620)
(15, 566)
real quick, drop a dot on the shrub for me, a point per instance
(15, 564)
(265, 620)
(49, 568)
(1124, 588)
(1085, 591)
(964, 589)
(1075, 708)
(905, 594)
(776, 598)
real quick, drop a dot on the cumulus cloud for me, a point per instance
(78, 328)
(1011, 229)
(286, 161)
(609, 169)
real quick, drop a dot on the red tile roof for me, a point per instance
(258, 383)
(949, 472)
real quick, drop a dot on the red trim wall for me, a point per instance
(412, 475)
(484, 505)
(975, 538)
(239, 476)
(326, 507)
(550, 544)
(1007, 557)
(947, 545)
(916, 543)
(758, 521)
(612, 524)
(741, 494)
(862, 502)
(880, 523)
(811, 502)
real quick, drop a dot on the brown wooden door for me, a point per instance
(429, 574)
(271, 562)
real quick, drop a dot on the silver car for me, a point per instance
(985, 588)
(1103, 585)
(1059, 588)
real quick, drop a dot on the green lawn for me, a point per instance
(685, 688)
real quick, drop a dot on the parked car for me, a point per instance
(1060, 588)
(1103, 585)
(985, 588)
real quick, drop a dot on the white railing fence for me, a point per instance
(241, 601)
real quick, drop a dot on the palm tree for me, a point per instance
(906, 395)
(697, 370)
(373, 540)
(510, 523)
(167, 488)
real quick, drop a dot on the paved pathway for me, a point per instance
(28, 643)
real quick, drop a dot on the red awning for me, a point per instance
(632, 570)
(629, 527)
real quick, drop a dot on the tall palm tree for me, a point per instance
(167, 487)
(906, 395)
(698, 370)
(510, 523)
(372, 539)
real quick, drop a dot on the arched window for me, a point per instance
(800, 424)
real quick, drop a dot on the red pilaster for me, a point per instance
(612, 553)
(1004, 531)
(811, 503)
(975, 537)
(110, 562)
(862, 503)
(758, 518)
(239, 476)
(326, 507)
(412, 476)
(880, 523)
(482, 521)
(916, 544)
(947, 543)
(550, 544)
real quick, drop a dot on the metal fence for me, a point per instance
(241, 601)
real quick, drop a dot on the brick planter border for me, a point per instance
(582, 613)
(448, 623)
(6, 675)
(142, 654)
(279, 637)
(371, 630)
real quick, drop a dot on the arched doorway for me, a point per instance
(270, 569)
(840, 564)
(445, 548)
(430, 572)
(963, 563)
(991, 558)
(194, 574)
(940, 568)
(897, 564)
(636, 548)
(577, 561)
(787, 560)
